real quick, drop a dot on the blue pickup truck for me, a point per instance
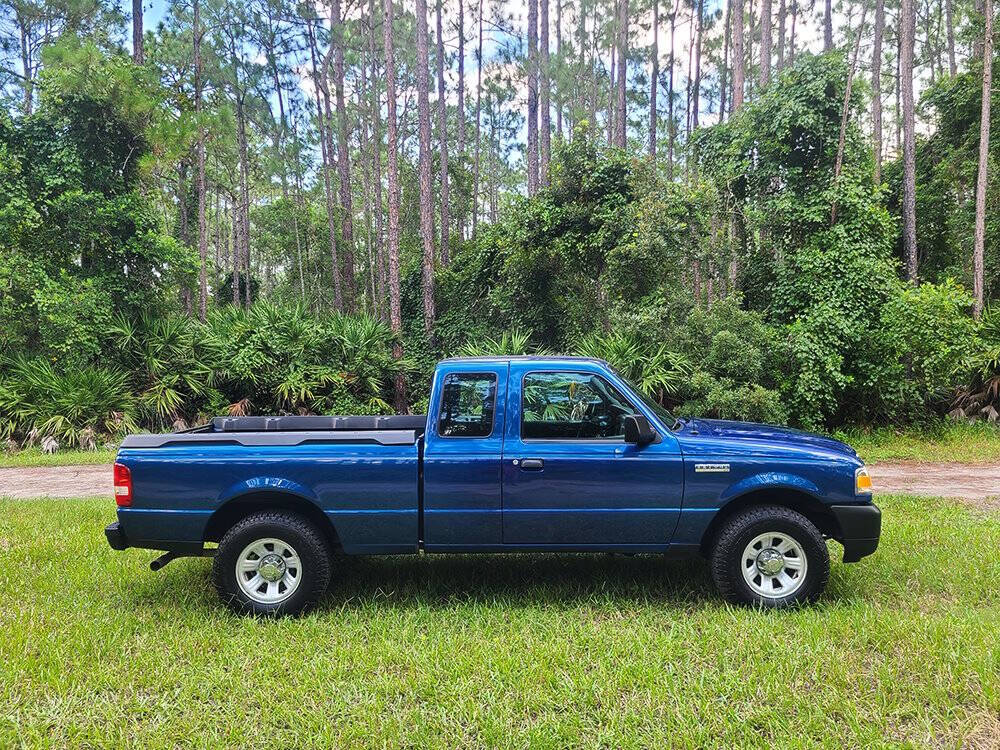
(516, 454)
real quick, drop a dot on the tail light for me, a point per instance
(123, 486)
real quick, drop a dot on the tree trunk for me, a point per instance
(532, 97)
(343, 155)
(460, 218)
(395, 314)
(654, 63)
(877, 87)
(613, 80)
(244, 207)
(696, 93)
(909, 208)
(622, 111)
(545, 114)
(671, 129)
(559, 88)
(326, 156)
(782, 15)
(791, 34)
(200, 178)
(479, 108)
(844, 112)
(138, 50)
(765, 42)
(376, 156)
(426, 199)
(828, 26)
(984, 156)
(724, 72)
(950, 30)
(738, 55)
(442, 112)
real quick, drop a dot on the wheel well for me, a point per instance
(796, 500)
(238, 508)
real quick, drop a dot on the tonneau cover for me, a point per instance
(413, 422)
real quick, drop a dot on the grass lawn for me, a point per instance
(516, 651)
(948, 441)
(34, 457)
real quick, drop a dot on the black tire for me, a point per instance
(292, 529)
(739, 531)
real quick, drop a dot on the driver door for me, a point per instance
(569, 478)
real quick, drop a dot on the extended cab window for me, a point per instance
(572, 406)
(468, 401)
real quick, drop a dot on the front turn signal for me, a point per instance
(862, 481)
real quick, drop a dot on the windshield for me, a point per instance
(665, 416)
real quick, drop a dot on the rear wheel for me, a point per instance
(770, 556)
(272, 563)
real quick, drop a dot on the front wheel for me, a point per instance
(272, 563)
(770, 556)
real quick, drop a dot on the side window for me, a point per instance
(468, 401)
(572, 406)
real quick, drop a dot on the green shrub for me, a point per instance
(722, 398)
(930, 330)
(75, 406)
(172, 363)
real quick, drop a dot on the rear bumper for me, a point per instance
(115, 535)
(860, 528)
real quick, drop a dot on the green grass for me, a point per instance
(505, 651)
(948, 441)
(34, 457)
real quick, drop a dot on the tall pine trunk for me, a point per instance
(654, 64)
(138, 50)
(479, 109)
(877, 87)
(724, 72)
(828, 26)
(532, 97)
(392, 149)
(343, 155)
(322, 94)
(984, 156)
(622, 111)
(906, 23)
(738, 55)
(765, 42)
(424, 167)
(460, 218)
(949, 21)
(442, 112)
(200, 177)
(782, 16)
(545, 113)
(671, 129)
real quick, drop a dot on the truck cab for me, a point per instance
(515, 454)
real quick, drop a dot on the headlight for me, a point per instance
(862, 481)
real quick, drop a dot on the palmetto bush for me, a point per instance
(172, 363)
(276, 359)
(658, 371)
(73, 406)
(511, 343)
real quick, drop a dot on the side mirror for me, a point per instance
(638, 430)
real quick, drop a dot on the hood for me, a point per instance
(750, 432)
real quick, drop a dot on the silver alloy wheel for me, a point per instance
(268, 571)
(774, 565)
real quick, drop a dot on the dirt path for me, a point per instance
(972, 482)
(56, 481)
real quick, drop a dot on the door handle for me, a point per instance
(532, 464)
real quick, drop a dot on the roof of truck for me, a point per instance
(526, 358)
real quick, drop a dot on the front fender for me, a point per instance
(768, 480)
